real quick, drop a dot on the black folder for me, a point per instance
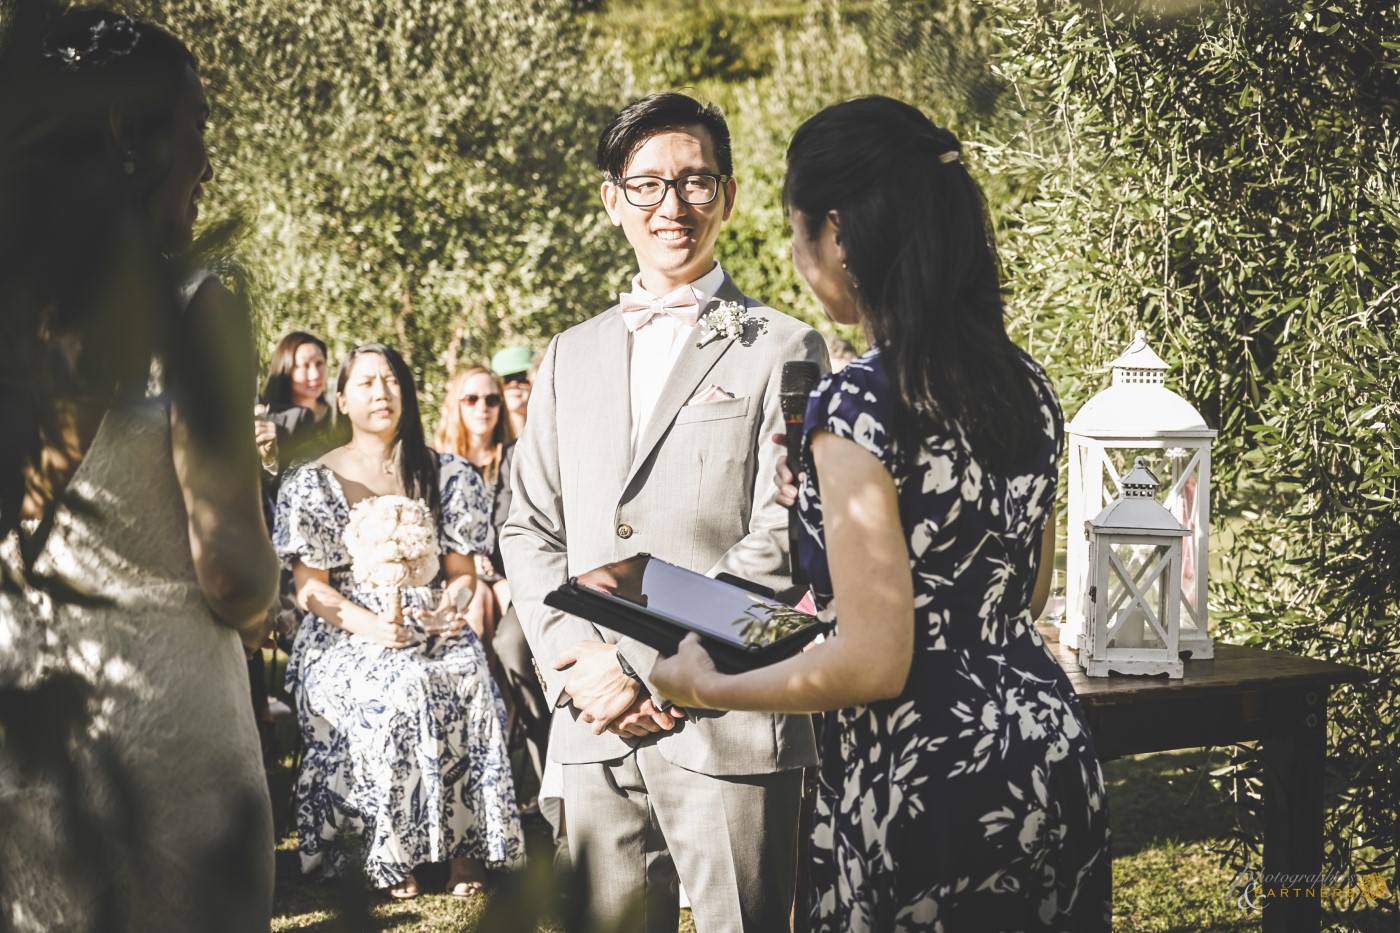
(742, 624)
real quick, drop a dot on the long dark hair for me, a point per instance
(920, 250)
(415, 461)
(278, 389)
(83, 264)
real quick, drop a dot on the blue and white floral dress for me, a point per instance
(405, 758)
(973, 801)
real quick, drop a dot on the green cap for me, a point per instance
(512, 360)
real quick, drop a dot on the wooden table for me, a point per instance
(1245, 694)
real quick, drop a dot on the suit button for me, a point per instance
(624, 531)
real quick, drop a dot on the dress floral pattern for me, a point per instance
(405, 758)
(974, 800)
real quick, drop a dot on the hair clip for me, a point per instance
(950, 156)
(111, 37)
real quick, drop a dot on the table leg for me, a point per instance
(1293, 820)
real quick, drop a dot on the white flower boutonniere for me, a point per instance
(728, 319)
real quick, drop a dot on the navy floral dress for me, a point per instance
(973, 801)
(405, 758)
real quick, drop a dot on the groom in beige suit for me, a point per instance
(638, 440)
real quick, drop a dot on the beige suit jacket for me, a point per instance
(699, 493)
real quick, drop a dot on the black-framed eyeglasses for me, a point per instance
(650, 190)
(492, 401)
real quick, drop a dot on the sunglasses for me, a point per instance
(522, 378)
(492, 401)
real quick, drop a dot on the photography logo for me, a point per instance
(1251, 889)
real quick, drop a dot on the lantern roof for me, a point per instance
(1140, 482)
(1138, 511)
(1138, 404)
(1139, 364)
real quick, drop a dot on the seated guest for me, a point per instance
(474, 426)
(959, 786)
(293, 423)
(516, 368)
(404, 734)
(298, 424)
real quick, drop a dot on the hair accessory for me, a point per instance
(110, 37)
(950, 156)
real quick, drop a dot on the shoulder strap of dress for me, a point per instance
(155, 379)
(192, 285)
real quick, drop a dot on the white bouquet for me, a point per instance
(393, 543)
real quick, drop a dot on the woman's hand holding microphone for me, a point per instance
(783, 477)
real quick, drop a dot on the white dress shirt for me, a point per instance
(653, 348)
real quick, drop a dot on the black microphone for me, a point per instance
(798, 380)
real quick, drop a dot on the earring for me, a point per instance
(129, 162)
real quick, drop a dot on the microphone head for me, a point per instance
(799, 378)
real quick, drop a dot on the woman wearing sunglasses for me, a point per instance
(472, 427)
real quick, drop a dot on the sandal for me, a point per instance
(404, 890)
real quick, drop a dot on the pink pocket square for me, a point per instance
(712, 393)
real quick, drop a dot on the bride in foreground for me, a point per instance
(126, 798)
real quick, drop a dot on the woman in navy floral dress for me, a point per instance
(959, 785)
(405, 757)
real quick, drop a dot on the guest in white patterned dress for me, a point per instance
(405, 758)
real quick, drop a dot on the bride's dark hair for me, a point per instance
(920, 250)
(82, 265)
(417, 462)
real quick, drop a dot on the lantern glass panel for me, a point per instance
(1137, 596)
(1179, 470)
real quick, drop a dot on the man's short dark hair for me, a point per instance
(643, 119)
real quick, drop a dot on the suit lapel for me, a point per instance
(614, 433)
(692, 366)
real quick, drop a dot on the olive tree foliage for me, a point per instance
(418, 172)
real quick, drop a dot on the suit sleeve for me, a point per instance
(762, 554)
(534, 541)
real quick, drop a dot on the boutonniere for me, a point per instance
(728, 319)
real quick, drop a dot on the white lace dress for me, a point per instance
(165, 824)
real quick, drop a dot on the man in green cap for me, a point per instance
(515, 366)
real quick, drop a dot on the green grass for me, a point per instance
(1166, 816)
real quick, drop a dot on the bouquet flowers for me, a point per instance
(393, 544)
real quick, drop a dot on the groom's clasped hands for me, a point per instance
(607, 697)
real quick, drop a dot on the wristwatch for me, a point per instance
(627, 668)
(662, 703)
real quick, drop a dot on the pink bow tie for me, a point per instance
(639, 307)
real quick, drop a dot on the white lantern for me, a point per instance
(1132, 621)
(1138, 416)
